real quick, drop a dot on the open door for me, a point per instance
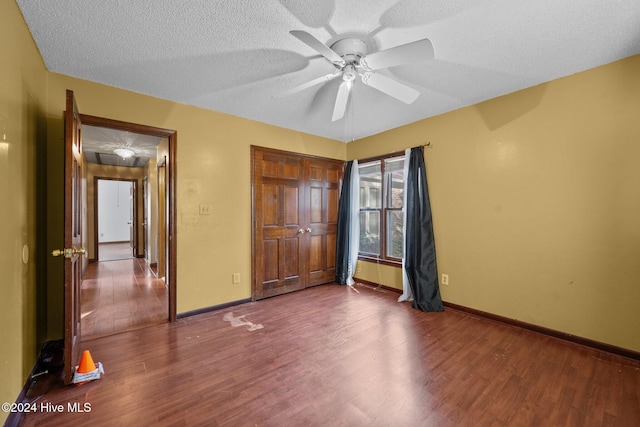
(162, 219)
(145, 218)
(132, 220)
(72, 235)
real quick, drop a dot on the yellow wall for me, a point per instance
(536, 202)
(23, 94)
(380, 274)
(213, 168)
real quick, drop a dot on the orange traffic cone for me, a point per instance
(87, 370)
(86, 363)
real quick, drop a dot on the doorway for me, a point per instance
(76, 217)
(121, 289)
(115, 212)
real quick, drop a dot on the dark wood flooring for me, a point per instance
(120, 295)
(331, 356)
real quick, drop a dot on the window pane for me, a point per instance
(370, 232)
(370, 185)
(394, 234)
(394, 178)
(381, 204)
(394, 164)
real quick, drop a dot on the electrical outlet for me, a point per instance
(205, 209)
(445, 279)
(235, 278)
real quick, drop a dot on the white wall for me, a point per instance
(114, 211)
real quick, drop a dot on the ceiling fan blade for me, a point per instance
(318, 46)
(391, 87)
(341, 100)
(307, 85)
(409, 53)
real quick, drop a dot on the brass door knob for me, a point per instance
(57, 252)
(69, 252)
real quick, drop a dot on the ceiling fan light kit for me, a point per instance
(349, 73)
(350, 56)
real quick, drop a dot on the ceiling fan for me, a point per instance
(351, 59)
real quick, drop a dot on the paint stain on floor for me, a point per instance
(241, 321)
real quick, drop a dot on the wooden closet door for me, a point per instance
(323, 193)
(279, 217)
(295, 216)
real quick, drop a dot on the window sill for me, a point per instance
(392, 263)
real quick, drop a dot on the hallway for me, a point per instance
(121, 295)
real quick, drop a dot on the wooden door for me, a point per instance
(162, 229)
(145, 217)
(72, 235)
(131, 222)
(323, 193)
(279, 224)
(295, 204)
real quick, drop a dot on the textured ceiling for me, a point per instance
(234, 56)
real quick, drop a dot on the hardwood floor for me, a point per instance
(120, 295)
(329, 355)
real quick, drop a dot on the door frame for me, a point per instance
(96, 239)
(171, 187)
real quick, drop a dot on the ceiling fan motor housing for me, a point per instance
(350, 49)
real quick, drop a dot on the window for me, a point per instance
(381, 210)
